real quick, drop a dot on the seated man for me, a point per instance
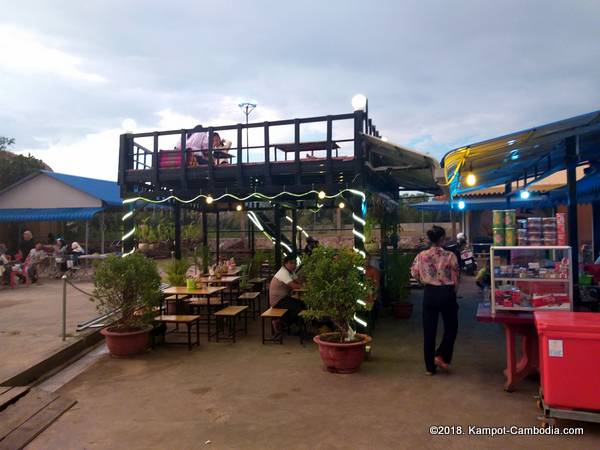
(280, 291)
(197, 146)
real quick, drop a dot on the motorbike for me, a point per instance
(468, 261)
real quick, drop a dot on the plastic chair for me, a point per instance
(22, 271)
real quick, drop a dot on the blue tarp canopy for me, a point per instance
(47, 214)
(588, 190)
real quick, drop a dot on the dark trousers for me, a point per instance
(439, 300)
(293, 306)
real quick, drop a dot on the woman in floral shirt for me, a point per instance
(437, 269)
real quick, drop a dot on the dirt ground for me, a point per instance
(31, 322)
(250, 396)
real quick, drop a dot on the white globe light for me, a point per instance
(128, 125)
(525, 195)
(384, 139)
(359, 102)
(341, 205)
(471, 179)
(321, 195)
(209, 200)
(461, 204)
(238, 207)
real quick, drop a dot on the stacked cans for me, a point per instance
(504, 224)
(534, 231)
(522, 238)
(561, 229)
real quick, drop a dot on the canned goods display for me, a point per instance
(522, 241)
(522, 234)
(522, 224)
(498, 236)
(498, 218)
(510, 218)
(535, 242)
(510, 237)
(549, 241)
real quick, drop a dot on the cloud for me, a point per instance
(25, 52)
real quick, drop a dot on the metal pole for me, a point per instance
(64, 308)
(87, 236)
(218, 225)
(102, 232)
(508, 193)
(294, 229)
(596, 227)
(177, 214)
(572, 144)
(247, 137)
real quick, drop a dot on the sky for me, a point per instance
(438, 74)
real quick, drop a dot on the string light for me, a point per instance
(127, 216)
(341, 205)
(322, 195)
(209, 200)
(358, 219)
(128, 234)
(359, 320)
(238, 208)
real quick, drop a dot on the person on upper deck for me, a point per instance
(197, 146)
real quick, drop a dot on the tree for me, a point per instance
(15, 167)
(5, 143)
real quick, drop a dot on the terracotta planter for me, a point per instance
(127, 343)
(342, 357)
(402, 310)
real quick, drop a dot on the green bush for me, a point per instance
(129, 284)
(176, 271)
(397, 275)
(334, 284)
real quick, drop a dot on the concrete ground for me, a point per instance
(250, 396)
(31, 322)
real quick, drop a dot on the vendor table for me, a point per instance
(228, 281)
(515, 324)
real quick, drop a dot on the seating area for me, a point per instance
(217, 307)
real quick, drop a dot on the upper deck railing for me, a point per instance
(328, 139)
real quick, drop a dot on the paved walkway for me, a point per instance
(250, 396)
(30, 323)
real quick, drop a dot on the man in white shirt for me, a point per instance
(197, 146)
(280, 288)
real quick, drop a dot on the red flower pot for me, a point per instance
(127, 343)
(402, 310)
(342, 357)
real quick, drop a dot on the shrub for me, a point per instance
(334, 284)
(176, 271)
(131, 285)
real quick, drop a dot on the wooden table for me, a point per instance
(228, 281)
(185, 319)
(298, 293)
(515, 324)
(181, 292)
(230, 314)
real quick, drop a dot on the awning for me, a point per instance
(47, 214)
(406, 169)
(478, 204)
(528, 154)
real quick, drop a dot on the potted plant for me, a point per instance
(130, 286)
(176, 272)
(336, 291)
(397, 280)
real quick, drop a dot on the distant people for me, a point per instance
(280, 290)
(51, 239)
(25, 246)
(394, 240)
(5, 268)
(35, 257)
(311, 244)
(76, 250)
(197, 146)
(437, 269)
(60, 255)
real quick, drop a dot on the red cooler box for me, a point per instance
(569, 358)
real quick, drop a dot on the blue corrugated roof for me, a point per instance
(486, 203)
(47, 214)
(107, 191)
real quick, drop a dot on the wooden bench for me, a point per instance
(187, 320)
(272, 314)
(208, 304)
(251, 299)
(229, 315)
